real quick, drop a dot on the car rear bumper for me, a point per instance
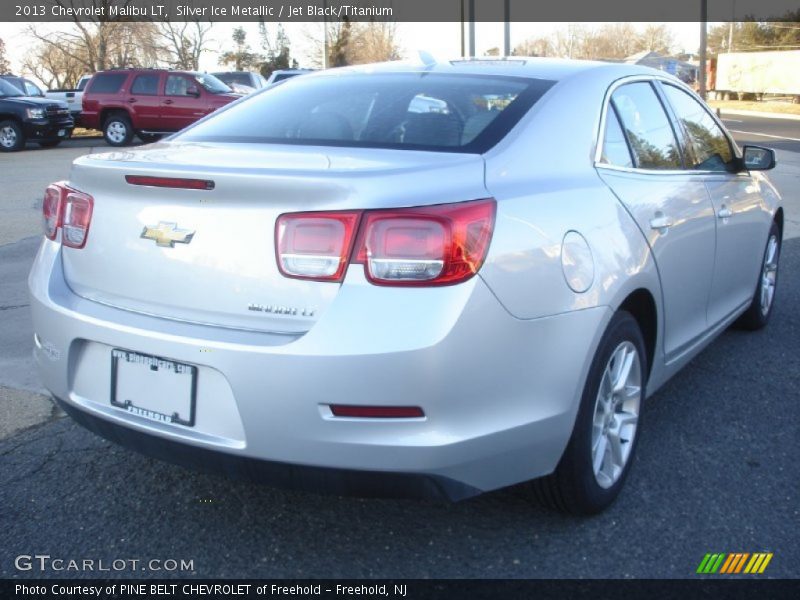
(500, 394)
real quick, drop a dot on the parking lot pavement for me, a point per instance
(716, 469)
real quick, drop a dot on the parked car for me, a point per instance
(24, 117)
(24, 85)
(72, 96)
(325, 288)
(242, 82)
(282, 74)
(149, 102)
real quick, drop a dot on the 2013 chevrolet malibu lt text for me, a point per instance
(436, 279)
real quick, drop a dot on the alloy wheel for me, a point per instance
(8, 137)
(616, 414)
(769, 274)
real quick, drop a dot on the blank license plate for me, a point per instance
(152, 387)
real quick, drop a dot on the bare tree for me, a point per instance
(656, 38)
(242, 57)
(5, 66)
(184, 42)
(541, 46)
(103, 43)
(352, 43)
(52, 67)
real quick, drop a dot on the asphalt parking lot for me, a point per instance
(716, 469)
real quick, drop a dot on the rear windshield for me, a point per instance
(421, 111)
(107, 83)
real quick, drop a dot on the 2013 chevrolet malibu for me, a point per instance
(434, 279)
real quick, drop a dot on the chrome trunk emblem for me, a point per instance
(167, 235)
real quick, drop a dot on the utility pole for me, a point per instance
(463, 54)
(472, 28)
(730, 28)
(507, 28)
(324, 34)
(703, 46)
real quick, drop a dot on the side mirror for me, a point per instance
(756, 158)
(193, 90)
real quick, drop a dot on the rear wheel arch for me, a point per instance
(642, 305)
(106, 113)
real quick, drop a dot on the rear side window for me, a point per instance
(145, 84)
(646, 127)
(615, 147)
(421, 111)
(107, 83)
(708, 147)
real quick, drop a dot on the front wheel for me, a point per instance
(757, 314)
(597, 459)
(117, 130)
(12, 138)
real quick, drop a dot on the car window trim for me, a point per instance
(602, 126)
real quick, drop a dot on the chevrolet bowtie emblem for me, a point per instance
(167, 235)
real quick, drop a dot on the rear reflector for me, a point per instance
(377, 412)
(170, 182)
(315, 245)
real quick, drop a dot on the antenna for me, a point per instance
(426, 58)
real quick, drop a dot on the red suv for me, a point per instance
(149, 102)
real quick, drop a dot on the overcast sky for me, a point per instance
(440, 39)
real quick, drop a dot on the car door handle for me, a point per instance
(725, 213)
(131, 100)
(660, 222)
(167, 101)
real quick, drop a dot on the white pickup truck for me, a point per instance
(73, 98)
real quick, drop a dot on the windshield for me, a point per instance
(8, 91)
(422, 111)
(211, 83)
(229, 78)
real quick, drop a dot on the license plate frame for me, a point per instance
(144, 363)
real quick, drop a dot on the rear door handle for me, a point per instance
(167, 101)
(725, 213)
(660, 222)
(131, 100)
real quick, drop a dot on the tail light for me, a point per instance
(315, 245)
(424, 246)
(70, 210)
(51, 210)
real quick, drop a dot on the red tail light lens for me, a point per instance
(443, 244)
(77, 218)
(315, 245)
(51, 209)
(432, 245)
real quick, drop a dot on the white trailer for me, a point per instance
(774, 73)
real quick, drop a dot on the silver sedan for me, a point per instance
(435, 279)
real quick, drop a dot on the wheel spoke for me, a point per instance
(599, 453)
(615, 446)
(624, 373)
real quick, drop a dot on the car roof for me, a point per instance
(553, 69)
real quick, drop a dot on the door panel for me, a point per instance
(180, 110)
(145, 102)
(683, 249)
(741, 239)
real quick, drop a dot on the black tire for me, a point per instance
(117, 130)
(12, 137)
(49, 143)
(573, 487)
(757, 316)
(148, 138)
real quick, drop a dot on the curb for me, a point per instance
(760, 114)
